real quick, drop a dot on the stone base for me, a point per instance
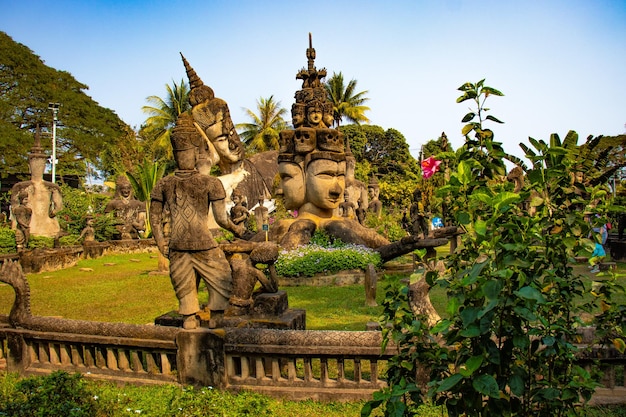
(617, 249)
(269, 311)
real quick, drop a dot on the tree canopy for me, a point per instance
(347, 103)
(262, 133)
(84, 131)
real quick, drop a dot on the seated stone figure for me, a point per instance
(130, 213)
(375, 205)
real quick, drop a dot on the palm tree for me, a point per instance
(143, 181)
(262, 133)
(346, 102)
(164, 112)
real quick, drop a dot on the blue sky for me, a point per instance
(561, 64)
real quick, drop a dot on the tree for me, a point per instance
(262, 133)
(143, 179)
(162, 116)
(27, 86)
(346, 101)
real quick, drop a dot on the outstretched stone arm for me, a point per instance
(222, 219)
(408, 244)
(56, 202)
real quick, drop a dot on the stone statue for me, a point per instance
(252, 177)
(261, 215)
(239, 213)
(356, 189)
(88, 234)
(192, 251)
(418, 215)
(23, 214)
(361, 212)
(44, 197)
(312, 164)
(375, 205)
(346, 208)
(130, 213)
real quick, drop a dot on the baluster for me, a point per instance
(341, 373)
(166, 366)
(54, 354)
(32, 352)
(122, 360)
(77, 355)
(245, 367)
(292, 373)
(90, 357)
(135, 362)
(151, 365)
(43, 352)
(275, 369)
(374, 371)
(308, 370)
(358, 377)
(260, 369)
(324, 370)
(100, 357)
(65, 354)
(111, 361)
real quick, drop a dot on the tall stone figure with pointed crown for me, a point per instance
(44, 197)
(252, 177)
(192, 251)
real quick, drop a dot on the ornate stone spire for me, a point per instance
(198, 92)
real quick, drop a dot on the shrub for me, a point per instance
(40, 242)
(78, 205)
(7, 240)
(313, 259)
(57, 394)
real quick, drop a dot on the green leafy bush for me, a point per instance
(78, 205)
(57, 394)
(7, 240)
(313, 259)
(40, 242)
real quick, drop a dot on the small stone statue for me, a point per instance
(89, 233)
(346, 209)
(375, 205)
(261, 215)
(361, 212)
(239, 213)
(129, 212)
(193, 253)
(418, 215)
(23, 214)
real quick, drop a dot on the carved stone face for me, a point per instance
(325, 183)
(225, 139)
(292, 184)
(314, 116)
(125, 190)
(37, 167)
(373, 192)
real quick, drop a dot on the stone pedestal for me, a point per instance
(269, 311)
(617, 249)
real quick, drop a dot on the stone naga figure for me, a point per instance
(44, 197)
(130, 213)
(192, 251)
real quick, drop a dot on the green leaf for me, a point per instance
(471, 366)
(464, 172)
(449, 382)
(471, 331)
(492, 91)
(493, 119)
(531, 293)
(469, 116)
(486, 385)
(463, 217)
(480, 227)
(504, 199)
(516, 383)
(467, 128)
(492, 289)
(443, 325)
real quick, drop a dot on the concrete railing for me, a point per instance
(291, 364)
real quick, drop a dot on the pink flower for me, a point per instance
(429, 166)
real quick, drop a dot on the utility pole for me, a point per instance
(55, 109)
